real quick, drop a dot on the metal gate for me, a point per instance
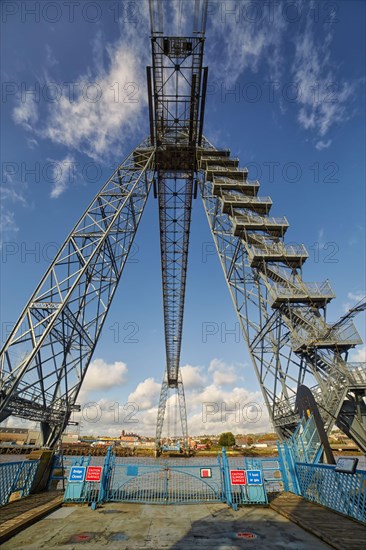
(165, 484)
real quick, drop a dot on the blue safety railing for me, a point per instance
(16, 477)
(60, 471)
(342, 492)
(175, 482)
(235, 495)
(288, 468)
(164, 483)
(305, 442)
(186, 481)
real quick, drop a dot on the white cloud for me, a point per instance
(15, 196)
(223, 374)
(356, 296)
(192, 376)
(232, 49)
(26, 112)
(10, 194)
(103, 108)
(146, 394)
(320, 145)
(104, 376)
(202, 395)
(8, 226)
(322, 97)
(62, 175)
(359, 355)
(32, 143)
(50, 58)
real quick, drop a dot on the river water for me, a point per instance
(145, 460)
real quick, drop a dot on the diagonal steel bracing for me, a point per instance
(282, 318)
(44, 361)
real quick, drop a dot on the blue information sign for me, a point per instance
(77, 473)
(254, 477)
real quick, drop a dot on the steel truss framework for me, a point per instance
(283, 319)
(45, 359)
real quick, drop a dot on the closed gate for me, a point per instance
(165, 484)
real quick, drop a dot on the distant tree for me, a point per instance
(207, 441)
(250, 440)
(227, 439)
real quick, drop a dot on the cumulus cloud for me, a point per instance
(223, 374)
(211, 408)
(192, 376)
(146, 394)
(105, 376)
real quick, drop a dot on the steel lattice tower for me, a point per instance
(283, 319)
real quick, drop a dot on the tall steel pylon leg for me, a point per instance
(45, 358)
(164, 394)
(182, 410)
(282, 318)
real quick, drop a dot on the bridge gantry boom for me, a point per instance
(176, 87)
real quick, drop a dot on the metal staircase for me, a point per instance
(289, 338)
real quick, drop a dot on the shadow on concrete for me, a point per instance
(254, 527)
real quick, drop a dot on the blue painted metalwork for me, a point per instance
(228, 495)
(85, 491)
(16, 476)
(176, 481)
(164, 483)
(272, 471)
(305, 442)
(287, 462)
(345, 493)
(174, 448)
(63, 463)
(108, 466)
(236, 495)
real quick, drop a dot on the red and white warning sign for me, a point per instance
(238, 477)
(93, 473)
(206, 472)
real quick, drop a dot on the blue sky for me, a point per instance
(286, 95)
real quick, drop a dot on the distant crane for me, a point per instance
(283, 319)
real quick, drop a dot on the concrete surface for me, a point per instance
(130, 526)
